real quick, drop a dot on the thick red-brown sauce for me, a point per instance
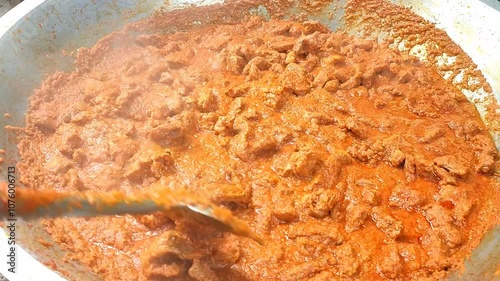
(350, 159)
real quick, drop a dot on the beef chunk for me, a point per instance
(348, 263)
(201, 271)
(431, 133)
(442, 224)
(225, 193)
(309, 43)
(321, 232)
(452, 164)
(461, 204)
(404, 197)
(296, 78)
(225, 252)
(302, 163)
(355, 217)
(485, 163)
(301, 271)
(149, 162)
(386, 223)
(320, 203)
(284, 208)
(390, 265)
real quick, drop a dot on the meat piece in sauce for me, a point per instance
(320, 203)
(441, 220)
(347, 262)
(390, 265)
(297, 79)
(451, 164)
(404, 197)
(390, 226)
(355, 216)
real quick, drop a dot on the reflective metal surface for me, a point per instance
(34, 34)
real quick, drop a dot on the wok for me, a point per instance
(34, 34)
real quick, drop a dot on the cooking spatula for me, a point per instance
(31, 204)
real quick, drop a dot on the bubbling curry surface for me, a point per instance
(353, 161)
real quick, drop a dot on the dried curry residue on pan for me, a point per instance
(350, 159)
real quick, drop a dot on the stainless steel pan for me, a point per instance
(34, 33)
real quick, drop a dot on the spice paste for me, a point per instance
(351, 160)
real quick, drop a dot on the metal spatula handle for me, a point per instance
(31, 204)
